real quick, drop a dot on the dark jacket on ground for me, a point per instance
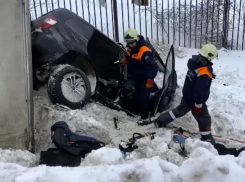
(141, 63)
(198, 80)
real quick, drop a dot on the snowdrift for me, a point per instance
(107, 165)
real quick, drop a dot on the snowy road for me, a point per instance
(153, 161)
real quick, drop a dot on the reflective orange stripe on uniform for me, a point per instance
(139, 55)
(203, 71)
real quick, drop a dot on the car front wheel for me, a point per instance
(69, 86)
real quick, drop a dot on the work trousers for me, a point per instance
(203, 119)
(142, 95)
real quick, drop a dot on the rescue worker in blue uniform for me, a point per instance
(143, 67)
(196, 92)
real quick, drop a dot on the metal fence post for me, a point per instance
(225, 21)
(116, 20)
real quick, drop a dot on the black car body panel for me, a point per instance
(104, 57)
(70, 33)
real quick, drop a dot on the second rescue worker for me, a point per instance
(144, 69)
(196, 91)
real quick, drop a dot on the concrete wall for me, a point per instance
(15, 101)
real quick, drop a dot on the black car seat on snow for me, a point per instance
(75, 144)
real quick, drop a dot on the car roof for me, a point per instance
(63, 14)
(60, 14)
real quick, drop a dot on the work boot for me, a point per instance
(240, 150)
(208, 138)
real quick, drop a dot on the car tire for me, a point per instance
(69, 86)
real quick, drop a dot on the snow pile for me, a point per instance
(146, 170)
(148, 148)
(206, 167)
(202, 165)
(240, 160)
(23, 158)
(163, 50)
(192, 144)
(104, 156)
(9, 171)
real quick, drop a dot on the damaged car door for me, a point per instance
(164, 96)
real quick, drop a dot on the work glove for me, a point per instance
(149, 83)
(197, 109)
(122, 59)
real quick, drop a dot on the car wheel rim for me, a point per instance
(73, 87)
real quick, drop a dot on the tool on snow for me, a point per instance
(115, 123)
(178, 138)
(144, 122)
(139, 135)
(131, 146)
(148, 121)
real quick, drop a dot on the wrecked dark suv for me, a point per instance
(79, 63)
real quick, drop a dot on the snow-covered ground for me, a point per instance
(153, 161)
